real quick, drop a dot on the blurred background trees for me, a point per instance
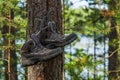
(13, 22)
(94, 56)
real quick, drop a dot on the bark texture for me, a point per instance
(37, 9)
(114, 60)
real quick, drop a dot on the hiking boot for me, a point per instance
(42, 54)
(58, 40)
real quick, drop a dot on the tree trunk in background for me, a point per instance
(113, 46)
(5, 42)
(113, 60)
(1, 64)
(13, 56)
(52, 69)
(10, 61)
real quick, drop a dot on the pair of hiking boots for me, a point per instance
(34, 51)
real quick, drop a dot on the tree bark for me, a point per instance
(113, 60)
(52, 69)
(113, 46)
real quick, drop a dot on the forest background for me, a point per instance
(95, 55)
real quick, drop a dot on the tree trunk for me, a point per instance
(113, 60)
(10, 59)
(113, 46)
(5, 42)
(52, 69)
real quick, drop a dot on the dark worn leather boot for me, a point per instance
(58, 40)
(39, 55)
(54, 39)
(27, 47)
(43, 54)
(32, 55)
